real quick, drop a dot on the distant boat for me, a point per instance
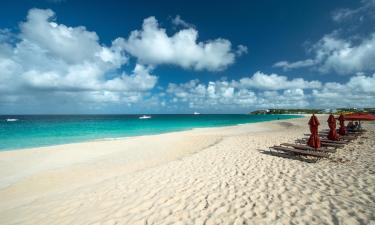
(196, 113)
(144, 117)
(11, 120)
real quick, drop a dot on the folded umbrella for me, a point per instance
(314, 140)
(332, 135)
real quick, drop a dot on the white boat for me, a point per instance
(196, 113)
(11, 120)
(144, 117)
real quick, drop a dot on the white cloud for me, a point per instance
(241, 50)
(294, 65)
(220, 95)
(348, 50)
(257, 91)
(332, 54)
(178, 21)
(56, 66)
(89, 77)
(49, 65)
(364, 10)
(70, 44)
(288, 98)
(272, 91)
(67, 63)
(152, 45)
(264, 81)
(140, 80)
(362, 84)
(357, 92)
(344, 57)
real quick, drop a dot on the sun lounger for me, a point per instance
(323, 143)
(300, 152)
(341, 142)
(349, 131)
(306, 147)
(344, 137)
(330, 141)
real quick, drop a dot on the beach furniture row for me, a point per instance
(322, 144)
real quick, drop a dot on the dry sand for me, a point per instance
(203, 176)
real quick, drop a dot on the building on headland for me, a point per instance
(311, 111)
(285, 111)
(260, 112)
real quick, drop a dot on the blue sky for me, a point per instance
(180, 57)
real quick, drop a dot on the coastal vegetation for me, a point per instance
(311, 111)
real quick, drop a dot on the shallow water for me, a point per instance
(24, 131)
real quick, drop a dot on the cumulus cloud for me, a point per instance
(213, 95)
(52, 65)
(332, 54)
(264, 81)
(259, 90)
(288, 98)
(272, 91)
(140, 80)
(66, 62)
(152, 45)
(344, 57)
(70, 44)
(357, 92)
(347, 50)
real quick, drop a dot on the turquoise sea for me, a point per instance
(24, 131)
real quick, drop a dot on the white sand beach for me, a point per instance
(202, 176)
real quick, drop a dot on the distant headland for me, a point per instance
(311, 111)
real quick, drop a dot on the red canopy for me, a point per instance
(314, 140)
(342, 130)
(359, 116)
(332, 135)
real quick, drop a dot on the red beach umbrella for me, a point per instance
(359, 116)
(332, 135)
(314, 140)
(342, 130)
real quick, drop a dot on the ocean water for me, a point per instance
(24, 131)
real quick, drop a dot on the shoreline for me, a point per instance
(203, 176)
(130, 154)
(141, 135)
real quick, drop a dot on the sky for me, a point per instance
(68, 57)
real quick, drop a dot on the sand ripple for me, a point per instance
(231, 182)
